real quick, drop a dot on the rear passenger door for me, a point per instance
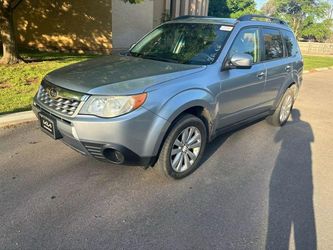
(293, 54)
(278, 67)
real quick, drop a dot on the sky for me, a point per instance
(260, 3)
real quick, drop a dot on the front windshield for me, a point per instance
(187, 43)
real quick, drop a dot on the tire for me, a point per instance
(283, 111)
(186, 148)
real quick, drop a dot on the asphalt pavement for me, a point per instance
(260, 187)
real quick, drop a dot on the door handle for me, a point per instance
(261, 75)
(287, 68)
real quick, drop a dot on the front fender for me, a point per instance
(188, 99)
(170, 108)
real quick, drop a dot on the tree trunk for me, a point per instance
(295, 26)
(10, 53)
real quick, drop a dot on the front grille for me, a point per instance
(60, 104)
(96, 150)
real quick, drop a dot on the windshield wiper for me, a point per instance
(134, 54)
(159, 58)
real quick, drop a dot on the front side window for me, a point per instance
(188, 43)
(290, 42)
(246, 42)
(273, 45)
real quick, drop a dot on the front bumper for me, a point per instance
(137, 135)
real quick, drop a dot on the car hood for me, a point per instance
(116, 75)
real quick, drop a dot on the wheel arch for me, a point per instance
(196, 101)
(283, 90)
(197, 110)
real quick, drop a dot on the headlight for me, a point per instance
(111, 106)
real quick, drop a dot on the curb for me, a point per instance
(317, 70)
(16, 118)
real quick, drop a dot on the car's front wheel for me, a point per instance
(183, 148)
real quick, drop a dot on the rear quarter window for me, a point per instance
(290, 43)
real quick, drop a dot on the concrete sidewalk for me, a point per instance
(16, 118)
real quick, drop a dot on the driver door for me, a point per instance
(242, 88)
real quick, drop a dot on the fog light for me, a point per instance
(113, 155)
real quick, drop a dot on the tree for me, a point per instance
(218, 8)
(7, 32)
(319, 31)
(240, 8)
(269, 8)
(298, 12)
(231, 8)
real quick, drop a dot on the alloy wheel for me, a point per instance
(286, 108)
(185, 149)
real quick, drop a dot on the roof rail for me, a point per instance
(191, 16)
(272, 19)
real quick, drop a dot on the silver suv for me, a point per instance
(174, 91)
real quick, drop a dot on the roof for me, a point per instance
(204, 19)
(246, 20)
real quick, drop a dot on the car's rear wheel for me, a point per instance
(183, 147)
(282, 113)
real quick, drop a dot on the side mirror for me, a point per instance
(242, 61)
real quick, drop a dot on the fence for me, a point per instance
(316, 48)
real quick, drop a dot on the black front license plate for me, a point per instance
(48, 125)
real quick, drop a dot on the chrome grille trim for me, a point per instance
(67, 102)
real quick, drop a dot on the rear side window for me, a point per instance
(290, 42)
(246, 42)
(273, 45)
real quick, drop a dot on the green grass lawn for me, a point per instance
(19, 83)
(312, 62)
